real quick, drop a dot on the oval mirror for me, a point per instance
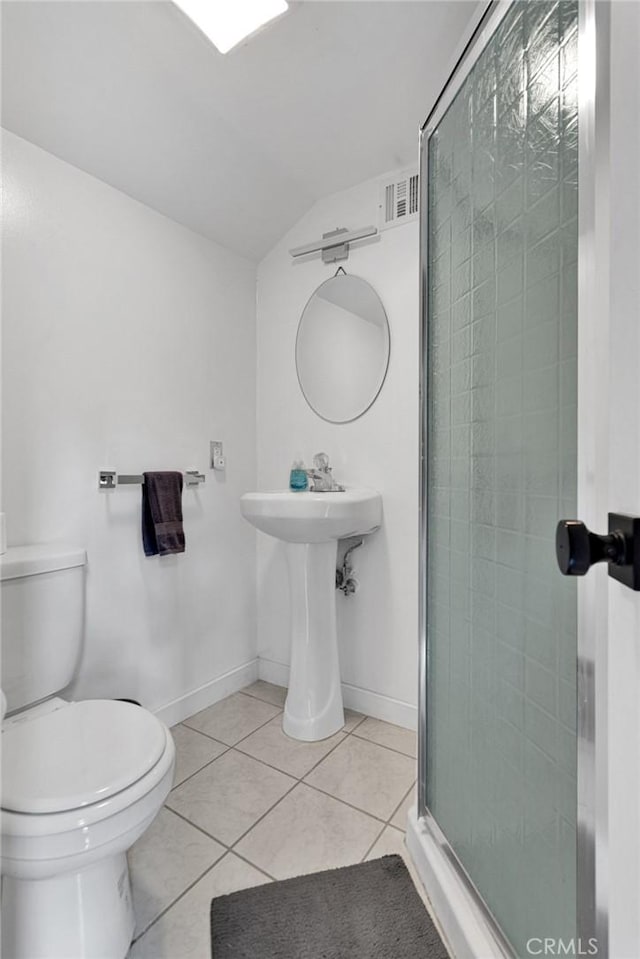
(342, 348)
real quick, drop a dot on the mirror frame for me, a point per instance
(351, 419)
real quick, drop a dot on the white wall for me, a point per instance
(377, 628)
(617, 480)
(129, 342)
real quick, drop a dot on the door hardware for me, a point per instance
(578, 549)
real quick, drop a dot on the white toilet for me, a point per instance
(81, 781)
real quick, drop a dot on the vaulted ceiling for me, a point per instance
(236, 147)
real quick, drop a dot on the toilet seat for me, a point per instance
(74, 755)
(47, 844)
(65, 879)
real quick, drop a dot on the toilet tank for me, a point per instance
(42, 608)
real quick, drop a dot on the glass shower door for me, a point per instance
(500, 242)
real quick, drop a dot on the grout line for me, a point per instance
(217, 862)
(326, 756)
(270, 809)
(245, 692)
(383, 746)
(201, 829)
(242, 739)
(283, 772)
(344, 802)
(264, 872)
(183, 893)
(379, 836)
(263, 762)
(358, 723)
(200, 768)
(261, 726)
(260, 818)
(408, 792)
(388, 824)
(235, 748)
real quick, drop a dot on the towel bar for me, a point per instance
(109, 479)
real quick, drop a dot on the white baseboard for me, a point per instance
(354, 697)
(212, 692)
(468, 928)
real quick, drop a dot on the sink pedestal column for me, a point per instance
(313, 709)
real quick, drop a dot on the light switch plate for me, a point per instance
(217, 460)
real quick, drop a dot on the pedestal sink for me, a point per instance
(311, 524)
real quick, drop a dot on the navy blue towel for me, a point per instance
(162, 530)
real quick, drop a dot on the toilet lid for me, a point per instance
(77, 755)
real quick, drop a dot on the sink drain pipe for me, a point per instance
(345, 580)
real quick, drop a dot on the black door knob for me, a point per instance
(577, 548)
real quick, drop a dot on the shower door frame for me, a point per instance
(593, 117)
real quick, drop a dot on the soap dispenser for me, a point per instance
(298, 479)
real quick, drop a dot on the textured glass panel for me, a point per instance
(502, 271)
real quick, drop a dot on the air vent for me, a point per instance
(398, 199)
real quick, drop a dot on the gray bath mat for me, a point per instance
(368, 911)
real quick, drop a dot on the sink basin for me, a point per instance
(313, 517)
(310, 524)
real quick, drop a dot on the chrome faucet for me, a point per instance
(321, 476)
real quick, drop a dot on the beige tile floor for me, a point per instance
(249, 805)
